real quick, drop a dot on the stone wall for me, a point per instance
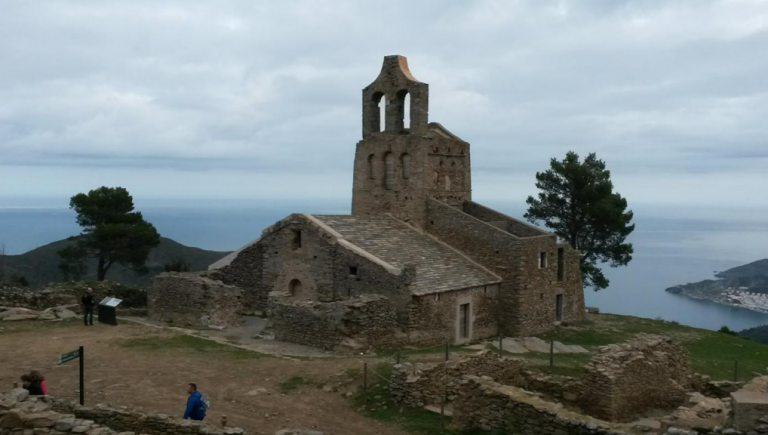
(487, 405)
(368, 321)
(427, 384)
(434, 318)
(718, 389)
(502, 221)
(193, 301)
(320, 264)
(22, 414)
(625, 380)
(528, 294)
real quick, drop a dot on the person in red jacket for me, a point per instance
(40, 379)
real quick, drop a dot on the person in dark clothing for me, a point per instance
(87, 301)
(195, 409)
(32, 385)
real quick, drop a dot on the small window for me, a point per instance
(541, 296)
(560, 264)
(296, 241)
(352, 270)
(542, 260)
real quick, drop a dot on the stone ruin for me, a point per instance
(359, 323)
(625, 380)
(22, 414)
(193, 300)
(622, 383)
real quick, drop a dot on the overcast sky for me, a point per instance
(254, 99)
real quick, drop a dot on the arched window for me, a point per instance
(371, 167)
(389, 171)
(295, 288)
(403, 120)
(405, 161)
(375, 117)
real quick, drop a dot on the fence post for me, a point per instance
(365, 381)
(446, 350)
(552, 352)
(735, 370)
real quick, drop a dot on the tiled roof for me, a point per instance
(439, 268)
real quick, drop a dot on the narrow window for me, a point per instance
(296, 240)
(437, 296)
(371, 165)
(403, 120)
(405, 161)
(389, 171)
(559, 308)
(560, 264)
(464, 320)
(349, 292)
(382, 113)
(542, 260)
(352, 270)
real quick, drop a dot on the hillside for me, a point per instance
(743, 286)
(41, 265)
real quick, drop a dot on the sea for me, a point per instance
(672, 245)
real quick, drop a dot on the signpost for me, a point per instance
(76, 354)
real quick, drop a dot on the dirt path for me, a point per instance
(155, 379)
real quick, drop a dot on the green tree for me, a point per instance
(111, 232)
(577, 202)
(177, 265)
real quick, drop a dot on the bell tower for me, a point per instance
(399, 166)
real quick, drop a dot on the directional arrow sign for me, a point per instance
(69, 356)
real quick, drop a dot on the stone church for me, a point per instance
(417, 261)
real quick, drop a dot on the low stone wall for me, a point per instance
(487, 405)
(561, 387)
(69, 293)
(193, 301)
(426, 384)
(368, 321)
(718, 389)
(624, 380)
(22, 414)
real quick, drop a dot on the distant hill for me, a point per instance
(41, 266)
(756, 268)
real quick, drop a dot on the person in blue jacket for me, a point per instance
(195, 409)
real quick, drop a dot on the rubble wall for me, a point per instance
(627, 379)
(361, 322)
(483, 404)
(426, 384)
(193, 301)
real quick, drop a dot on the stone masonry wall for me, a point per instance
(486, 405)
(624, 380)
(434, 318)
(514, 226)
(21, 414)
(192, 300)
(426, 384)
(527, 296)
(320, 264)
(368, 321)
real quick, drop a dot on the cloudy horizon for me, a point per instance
(261, 100)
